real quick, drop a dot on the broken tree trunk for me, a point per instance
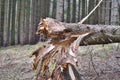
(59, 59)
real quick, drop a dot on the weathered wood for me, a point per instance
(102, 34)
(65, 38)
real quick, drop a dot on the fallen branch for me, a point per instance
(90, 12)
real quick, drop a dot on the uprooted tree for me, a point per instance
(58, 59)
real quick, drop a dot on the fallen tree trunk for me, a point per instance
(59, 60)
(102, 34)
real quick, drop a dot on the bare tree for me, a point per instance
(107, 12)
(54, 8)
(1, 20)
(68, 10)
(59, 10)
(79, 12)
(74, 11)
(91, 6)
(13, 11)
(114, 12)
(6, 25)
(103, 12)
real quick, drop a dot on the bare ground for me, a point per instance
(96, 62)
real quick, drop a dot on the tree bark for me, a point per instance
(100, 34)
(79, 12)
(33, 22)
(107, 12)
(59, 10)
(74, 11)
(114, 13)
(91, 6)
(103, 12)
(6, 26)
(22, 22)
(54, 8)
(1, 21)
(68, 11)
(13, 22)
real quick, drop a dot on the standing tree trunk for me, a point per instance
(107, 12)
(118, 11)
(79, 12)
(44, 8)
(91, 6)
(33, 21)
(68, 11)
(83, 8)
(13, 22)
(103, 12)
(37, 17)
(47, 8)
(17, 20)
(26, 24)
(2, 8)
(22, 22)
(100, 14)
(59, 10)
(54, 8)
(74, 11)
(39, 10)
(114, 13)
(96, 13)
(6, 25)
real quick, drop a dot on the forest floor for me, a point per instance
(98, 62)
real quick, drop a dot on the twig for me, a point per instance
(90, 12)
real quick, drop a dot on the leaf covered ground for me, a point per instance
(98, 62)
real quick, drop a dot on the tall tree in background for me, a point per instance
(91, 6)
(45, 6)
(114, 12)
(107, 12)
(74, 11)
(83, 8)
(59, 10)
(27, 16)
(68, 10)
(6, 23)
(17, 22)
(119, 10)
(34, 19)
(79, 8)
(32, 23)
(103, 12)
(2, 2)
(13, 11)
(22, 22)
(96, 13)
(100, 14)
(54, 8)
